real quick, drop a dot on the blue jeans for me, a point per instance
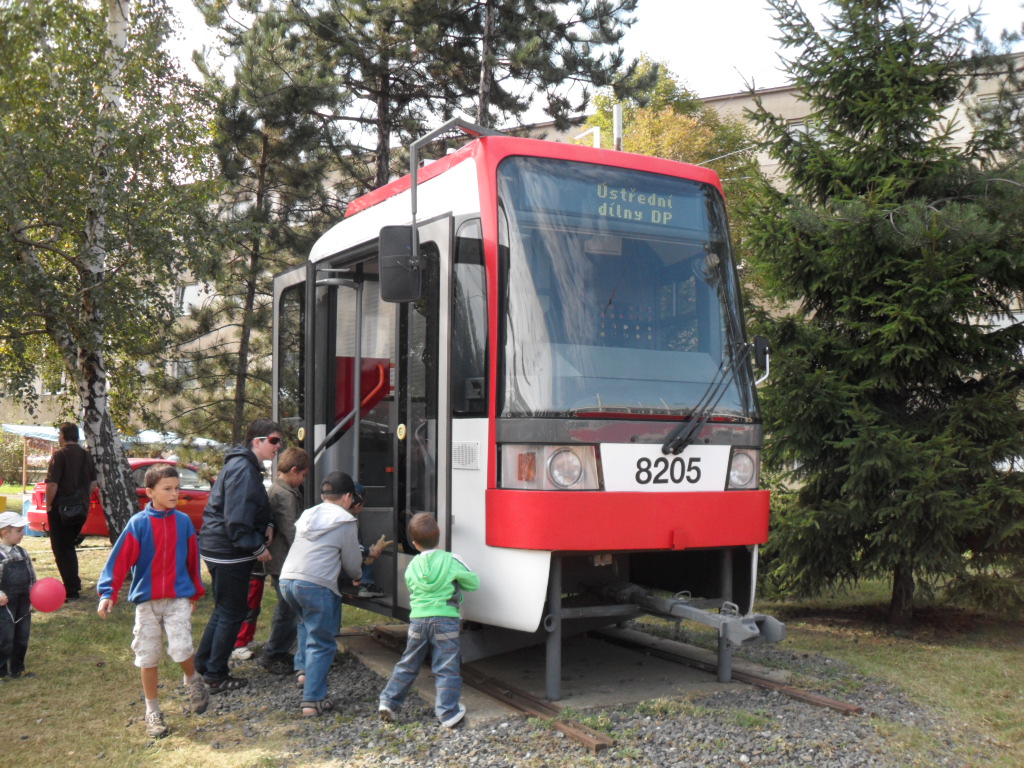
(366, 577)
(440, 636)
(319, 612)
(230, 587)
(283, 627)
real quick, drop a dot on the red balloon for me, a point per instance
(47, 595)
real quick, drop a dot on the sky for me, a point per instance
(712, 46)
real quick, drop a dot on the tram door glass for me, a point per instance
(376, 447)
(291, 361)
(421, 377)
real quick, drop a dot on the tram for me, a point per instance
(542, 345)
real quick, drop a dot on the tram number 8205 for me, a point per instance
(664, 470)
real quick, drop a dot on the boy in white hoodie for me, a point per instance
(326, 543)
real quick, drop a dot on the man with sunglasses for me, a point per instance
(237, 529)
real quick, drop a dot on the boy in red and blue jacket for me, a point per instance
(160, 550)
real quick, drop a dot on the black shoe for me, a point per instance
(277, 666)
(227, 684)
(72, 597)
(26, 675)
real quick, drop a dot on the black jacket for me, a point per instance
(237, 513)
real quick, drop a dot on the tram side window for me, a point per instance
(291, 360)
(469, 324)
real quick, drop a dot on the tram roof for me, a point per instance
(499, 147)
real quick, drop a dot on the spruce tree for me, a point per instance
(892, 258)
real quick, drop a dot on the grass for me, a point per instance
(963, 664)
(84, 707)
(13, 496)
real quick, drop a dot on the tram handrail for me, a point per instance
(338, 427)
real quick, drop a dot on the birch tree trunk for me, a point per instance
(86, 356)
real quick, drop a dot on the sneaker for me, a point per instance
(386, 714)
(198, 695)
(242, 654)
(156, 728)
(369, 592)
(455, 719)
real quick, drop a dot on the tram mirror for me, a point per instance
(399, 268)
(761, 350)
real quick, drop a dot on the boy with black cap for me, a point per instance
(326, 543)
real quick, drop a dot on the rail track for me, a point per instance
(392, 637)
(647, 644)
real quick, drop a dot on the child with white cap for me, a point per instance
(16, 579)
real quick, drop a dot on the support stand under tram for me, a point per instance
(625, 601)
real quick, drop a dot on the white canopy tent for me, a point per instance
(50, 435)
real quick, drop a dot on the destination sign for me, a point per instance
(634, 204)
(617, 200)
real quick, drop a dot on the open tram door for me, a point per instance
(337, 343)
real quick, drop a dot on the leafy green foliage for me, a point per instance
(892, 266)
(107, 180)
(52, 60)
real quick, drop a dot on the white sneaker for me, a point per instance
(369, 592)
(242, 654)
(386, 714)
(455, 719)
(156, 726)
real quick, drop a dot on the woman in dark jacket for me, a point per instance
(237, 528)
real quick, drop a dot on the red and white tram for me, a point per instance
(546, 346)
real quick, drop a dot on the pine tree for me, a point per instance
(893, 257)
(273, 144)
(539, 51)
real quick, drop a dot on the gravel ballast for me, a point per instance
(737, 726)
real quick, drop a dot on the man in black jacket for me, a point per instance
(70, 481)
(237, 529)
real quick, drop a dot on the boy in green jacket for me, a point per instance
(436, 579)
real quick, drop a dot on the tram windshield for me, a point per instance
(621, 295)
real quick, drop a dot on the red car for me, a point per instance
(192, 500)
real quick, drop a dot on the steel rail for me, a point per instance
(616, 637)
(507, 695)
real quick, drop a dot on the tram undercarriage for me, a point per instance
(589, 591)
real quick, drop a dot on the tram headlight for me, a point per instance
(549, 467)
(565, 468)
(743, 469)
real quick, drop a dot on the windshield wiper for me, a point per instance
(684, 434)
